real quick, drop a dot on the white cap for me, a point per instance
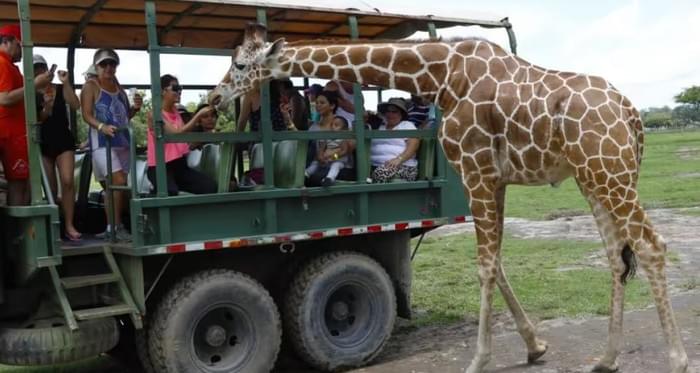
(37, 58)
(105, 54)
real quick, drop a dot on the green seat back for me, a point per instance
(209, 162)
(289, 163)
(225, 170)
(426, 159)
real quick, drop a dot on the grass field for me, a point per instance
(551, 279)
(670, 177)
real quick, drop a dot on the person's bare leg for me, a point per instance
(66, 166)
(17, 193)
(50, 169)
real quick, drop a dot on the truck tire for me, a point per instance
(50, 341)
(340, 311)
(215, 321)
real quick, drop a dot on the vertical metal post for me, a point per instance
(154, 59)
(441, 160)
(72, 117)
(266, 131)
(30, 105)
(110, 192)
(511, 35)
(360, 146)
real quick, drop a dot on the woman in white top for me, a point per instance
(394, 158)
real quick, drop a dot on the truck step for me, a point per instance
(85, 281)
(96, 313)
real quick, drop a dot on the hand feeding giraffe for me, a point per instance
(505, 121)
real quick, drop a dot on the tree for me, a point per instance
(657, 117)
(689, 96)
(688, 112)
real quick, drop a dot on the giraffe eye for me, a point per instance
(239, 66)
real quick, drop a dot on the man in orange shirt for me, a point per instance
(13, 129)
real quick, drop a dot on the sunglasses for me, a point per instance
(176, 88)
(392, 111)
(106, 63)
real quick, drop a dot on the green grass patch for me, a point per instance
(669, 178)
(550, 278)
(101, 364)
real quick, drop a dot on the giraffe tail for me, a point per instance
(630, 264)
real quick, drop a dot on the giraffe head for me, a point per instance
(252, 63)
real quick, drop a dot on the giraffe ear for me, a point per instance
(256, 33)
(274, 49)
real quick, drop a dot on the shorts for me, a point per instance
(120, 162)
(15, 157)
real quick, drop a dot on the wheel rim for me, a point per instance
(347, 314)
(223, 338)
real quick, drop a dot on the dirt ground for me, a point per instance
(574, 344)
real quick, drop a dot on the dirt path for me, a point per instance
(574, 343)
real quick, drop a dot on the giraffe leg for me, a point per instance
(535, 347)
(486, 223)
(650, 248)
(613, 248)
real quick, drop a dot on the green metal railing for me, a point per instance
(266, 136)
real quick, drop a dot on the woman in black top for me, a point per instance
(57, 141)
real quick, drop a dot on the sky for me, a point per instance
(647, 49)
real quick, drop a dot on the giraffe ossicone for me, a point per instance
(505, 121)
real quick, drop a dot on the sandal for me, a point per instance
(77, 237)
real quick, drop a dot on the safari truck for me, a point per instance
(212, 283)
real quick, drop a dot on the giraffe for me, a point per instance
(505, 121)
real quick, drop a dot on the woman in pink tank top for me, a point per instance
(179, 175)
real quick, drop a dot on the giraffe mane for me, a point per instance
(303, 43)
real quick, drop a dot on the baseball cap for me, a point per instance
(11, 30)
(39, 59)
(104, 54)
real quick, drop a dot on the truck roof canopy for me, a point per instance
(213, 23)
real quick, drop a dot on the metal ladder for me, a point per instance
(127, 307)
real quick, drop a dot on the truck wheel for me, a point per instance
(50, 341)
(340, 310)
(215, 321)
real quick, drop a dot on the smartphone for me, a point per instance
(53, 69)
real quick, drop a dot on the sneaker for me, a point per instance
(103, 236)
(122, 234)
(327, 181)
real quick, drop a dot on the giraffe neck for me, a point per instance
(419, 68)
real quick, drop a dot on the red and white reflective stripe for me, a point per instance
(302, 236)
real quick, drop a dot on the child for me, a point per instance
(331, 153)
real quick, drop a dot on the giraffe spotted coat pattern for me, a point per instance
(505, 121)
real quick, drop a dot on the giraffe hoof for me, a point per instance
(533, 356)
(603, 369)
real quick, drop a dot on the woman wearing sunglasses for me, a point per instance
(105, 108)
(394, 158)
(179, 175)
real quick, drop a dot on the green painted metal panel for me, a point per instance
(404, 205)
(296, 214)
(30, 104)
